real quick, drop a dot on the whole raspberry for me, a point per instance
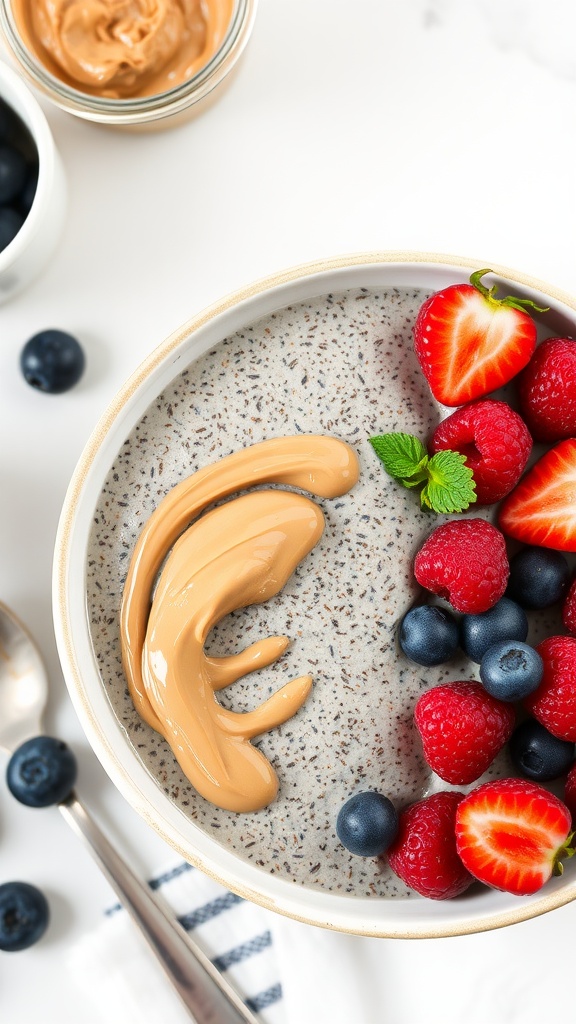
(424, 853)
(554, 702)
(495, 442)
(569, 608)
(465, 562)
(462, 728)
(570, 793)
(547, 390)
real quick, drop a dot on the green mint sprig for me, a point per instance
(448, 483)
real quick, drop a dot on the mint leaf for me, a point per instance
(403, 455)
(450, 486)
(448, 482)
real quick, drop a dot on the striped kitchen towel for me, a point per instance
(129, 987)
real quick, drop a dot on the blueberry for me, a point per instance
(6, 120)
(367, 824)
(511, 670)
(506, 620)
(41, 772)
(52, 361)
(539, 577)
(24, 916)
(10, 223)
(26, 197)
(428, 635)
(537, 754)
(12, 173)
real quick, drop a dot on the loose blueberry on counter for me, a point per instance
(367, 824)
(41, 772)
(428, 635)
(511, 670)
(539, 577)
(24, 916)
(52, 361)
(537, 754)
(506, 620)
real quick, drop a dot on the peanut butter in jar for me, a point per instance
(123, 48)
(128, 63)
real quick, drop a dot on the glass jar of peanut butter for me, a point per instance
(127, 63)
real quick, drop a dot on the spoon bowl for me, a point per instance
(23, 683)
(205, 994)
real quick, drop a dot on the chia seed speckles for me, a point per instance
(341, 364)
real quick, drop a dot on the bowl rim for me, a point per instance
(419, 918)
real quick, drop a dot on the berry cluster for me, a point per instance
(18, 174)
(509, 833)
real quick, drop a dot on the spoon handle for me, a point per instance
(208, 997)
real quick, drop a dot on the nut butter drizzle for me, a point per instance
(237, 554)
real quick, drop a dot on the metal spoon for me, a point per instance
(207, 996)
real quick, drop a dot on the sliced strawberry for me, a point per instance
(511, 834)
(469, 343)
(541, 510)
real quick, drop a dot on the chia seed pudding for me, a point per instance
(344, 365)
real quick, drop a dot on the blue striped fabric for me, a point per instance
(242, 952)
(202, 914)
(265, 999)
(217, 916)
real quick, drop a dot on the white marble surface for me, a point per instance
(349, 127)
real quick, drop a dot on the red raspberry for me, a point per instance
(465, 562)
(424, 853)
(462, 728)
(554, 702)
(569, 608)
(494, 440)
(570, 793)
(547, 390)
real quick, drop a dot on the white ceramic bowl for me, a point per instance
(278, 334)
(28, 253)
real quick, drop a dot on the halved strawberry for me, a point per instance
(541, 510)
(511, 834)
(469, 343)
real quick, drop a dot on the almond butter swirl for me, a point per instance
(123, 48)
(237, 554)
